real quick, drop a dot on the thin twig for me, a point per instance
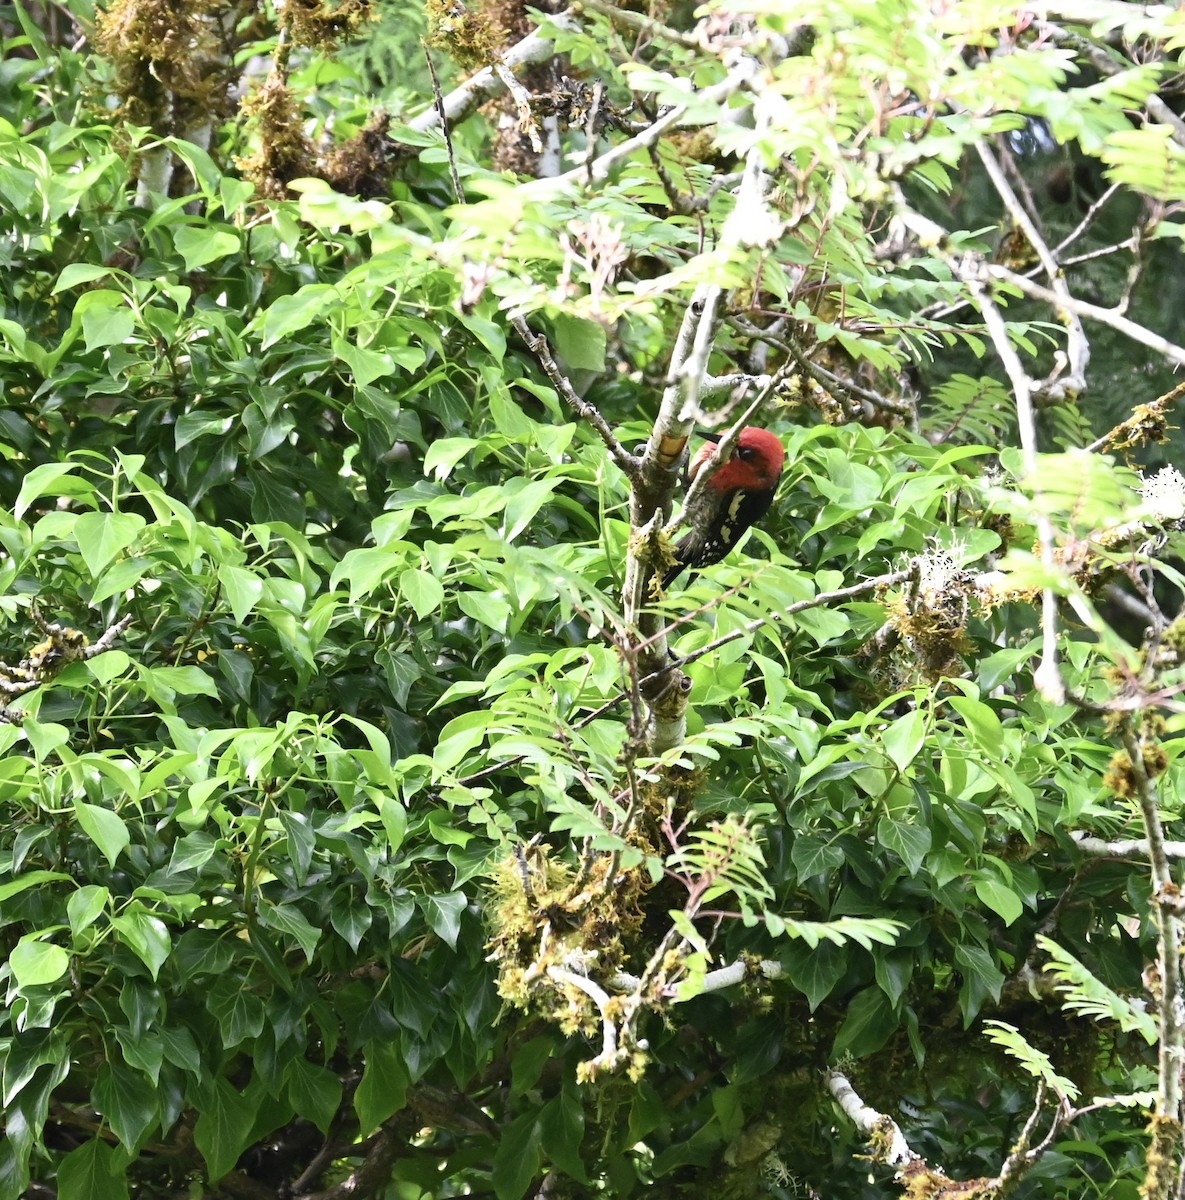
(486, 84)
(600, 168)
(1087, 220)
(538, 346)
(856, 589)
(970, 270)
(445, 127)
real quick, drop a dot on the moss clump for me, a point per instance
(1160, 1179)
(284, 153)
(322, 26)
(363, 166)
(170, 62)
(473, 40)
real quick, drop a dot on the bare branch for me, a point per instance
(599, 169)
(890, 579)
(888, 1142)
(970, 271)
(446, 128)
(1131, 848)
(1077, 350)
(644, 25)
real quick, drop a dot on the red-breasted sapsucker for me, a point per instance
(740, 492)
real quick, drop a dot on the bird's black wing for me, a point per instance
(702, 548)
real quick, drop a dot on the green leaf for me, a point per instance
(148, 936)
(904, 738)
(35, 963)
(394, 818)
(982, 723)
(224, 1127)
(982, 980)
(443, 914)
(382, 1091)
(30, 879)
(239, 1013)
(106, 319)
(287, 918)
(45, 737)
(485, 608)
(581, 343)
(1083, 993)
(243, 590)
(1036, 1062)
(518, 1157)
(105, 828)
(109, 665)
(1000, 898)
(202, 245)
(103, 535)
(528, 1062)
(76, 274)
(289, 314)
(814, 970)
(184, 681)
(868, 1025)
(314, 1092)
(811, 856)
(180, 1049)
(561, 1130)
(127, 1100)
(41, 481)
(92, 1171)
(910, 842)
(85, 906)
(423, 592)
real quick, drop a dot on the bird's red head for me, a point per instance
(755, 464)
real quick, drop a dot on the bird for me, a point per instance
(740, 493)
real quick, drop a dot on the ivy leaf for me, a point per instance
(105, 828)
(561, 1130)
(868, 1025)
(911, 842)
(518, 1157)
(382, 1090)
(35, 963)
(127, 1100)
(92, 1171)
(223, 1128)
(314, 1092)
(443, 914)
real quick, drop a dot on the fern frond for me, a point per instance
(1035, 1061)
(865, 931)
(1083, 993)
(966, 410)
(725, 857)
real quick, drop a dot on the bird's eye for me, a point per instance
(745, 452)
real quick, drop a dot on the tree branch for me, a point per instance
(487, 83)
(1106, 316)
(888, 1142)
